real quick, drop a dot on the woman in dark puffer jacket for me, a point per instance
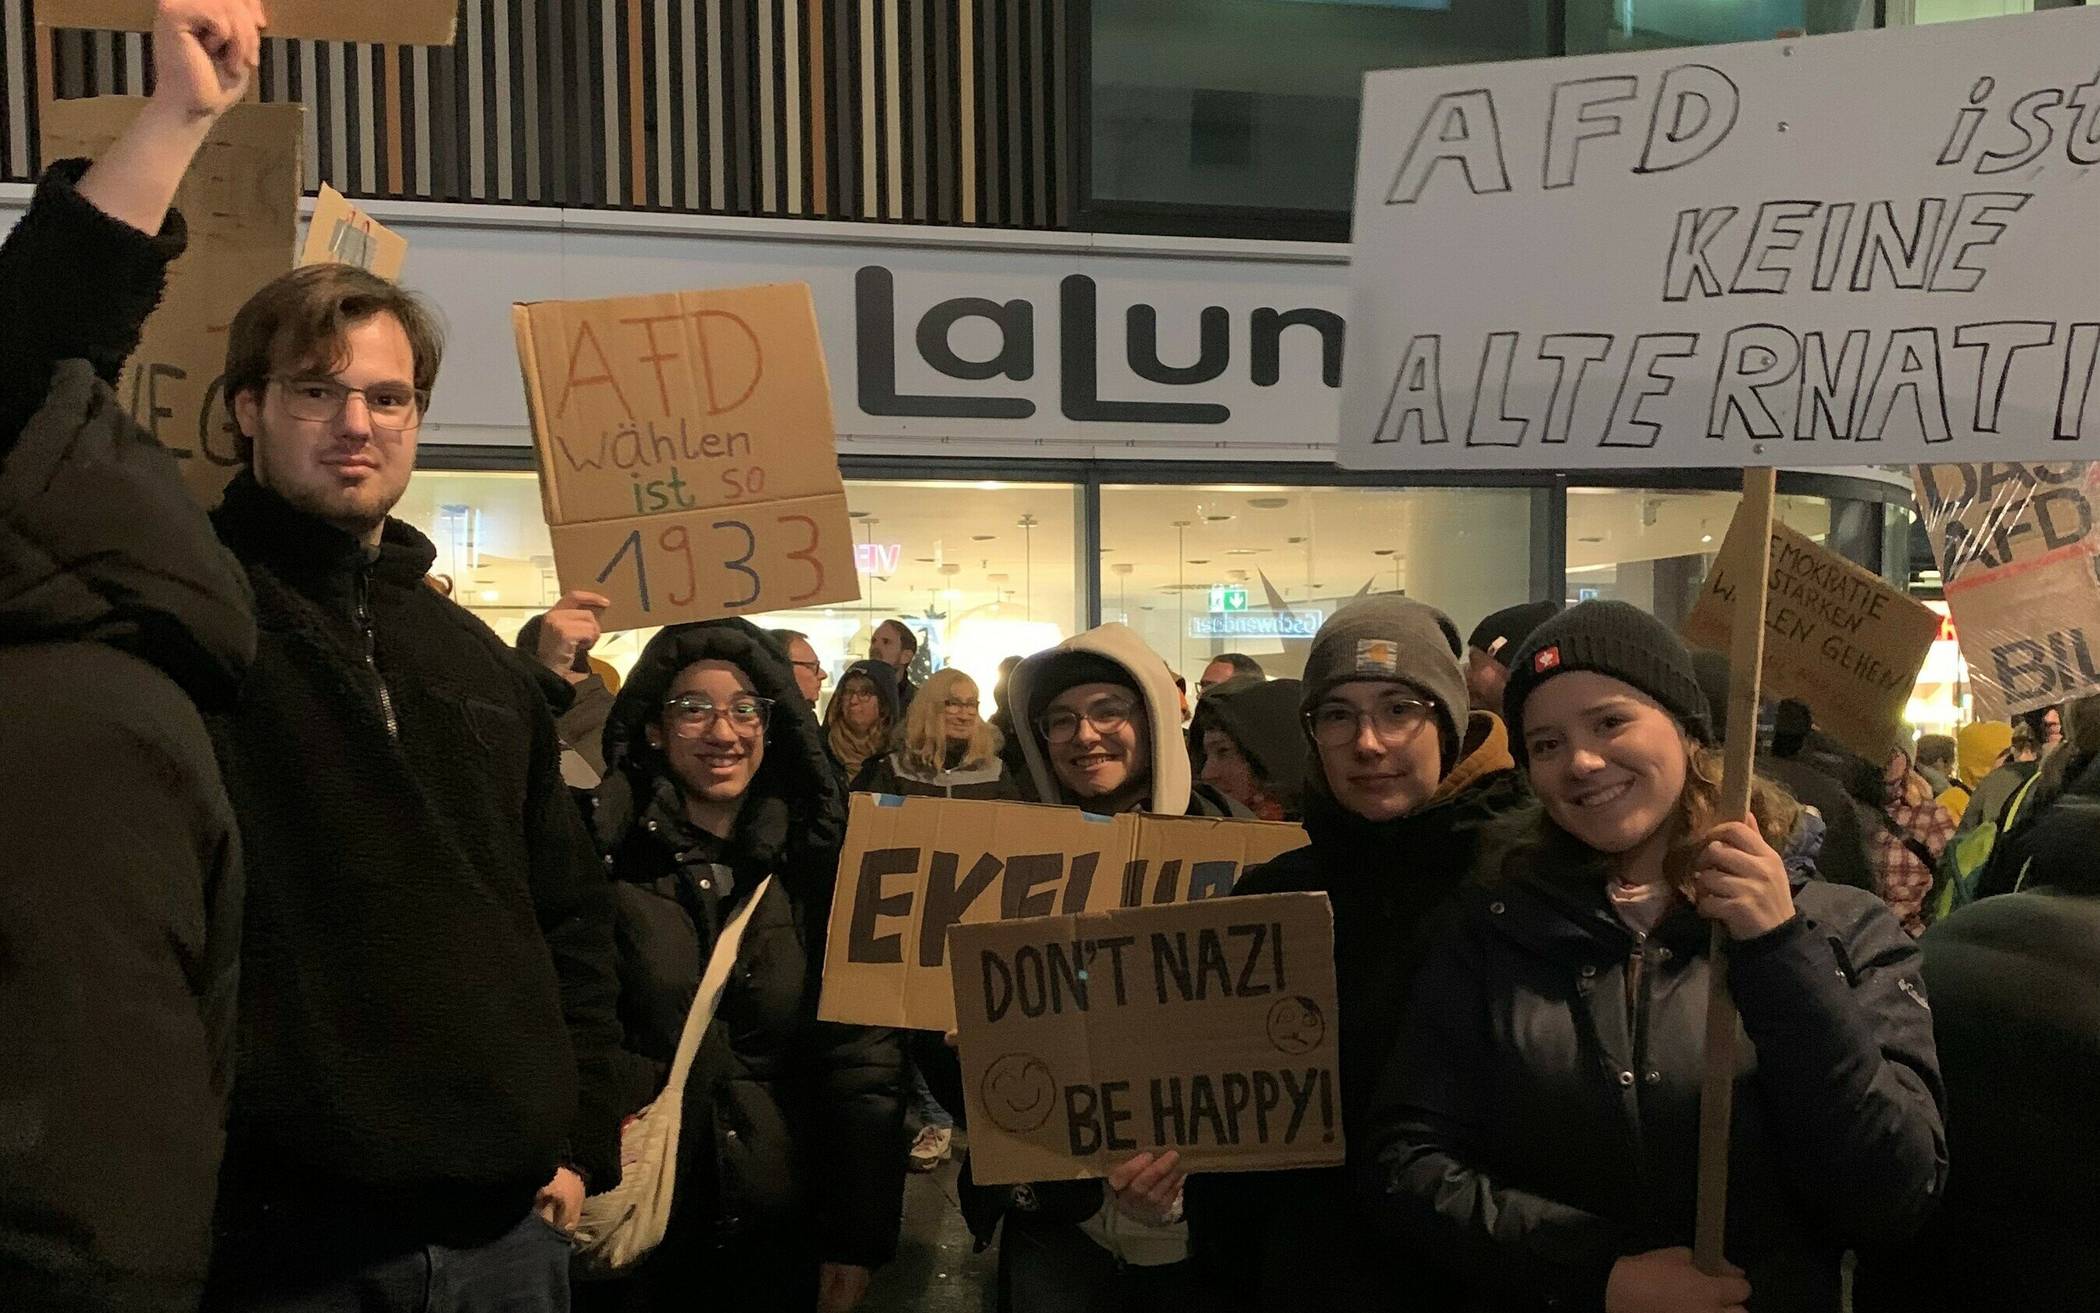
(1539, 1124)
(791, 1153)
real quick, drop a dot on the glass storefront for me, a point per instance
(984, 568)
(1204, 570)
(980, 569)
(1652, 547)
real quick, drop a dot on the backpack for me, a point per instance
(1961, 866)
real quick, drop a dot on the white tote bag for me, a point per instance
(622, 1225)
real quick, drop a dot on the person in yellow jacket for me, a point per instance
(1977, 748)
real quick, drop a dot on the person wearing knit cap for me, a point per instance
(1246, 742)
(1402, 784)
(1495, 640)
(1539, 1125)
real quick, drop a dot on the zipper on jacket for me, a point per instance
(364, 624)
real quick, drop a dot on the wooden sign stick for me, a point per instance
(1746, 658)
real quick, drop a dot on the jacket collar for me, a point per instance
(1558, 906)
(263, 528)
(1486, 759)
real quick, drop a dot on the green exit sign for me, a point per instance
(1226, 598)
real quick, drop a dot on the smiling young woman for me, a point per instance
(1540, 1125)
(718, 793)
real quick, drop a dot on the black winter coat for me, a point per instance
(793, 1132)
(1280, 1241)
(2015, 986)
(889, 773)
(420, 886)
(120, 617)
(1534, 1128)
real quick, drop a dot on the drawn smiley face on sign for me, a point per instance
(1019, 1093)
(1296, 1025)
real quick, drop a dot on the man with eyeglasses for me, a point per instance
(426, 1024)
(718, 791)
(1099, 719)
(809, 668)
(1402, 782)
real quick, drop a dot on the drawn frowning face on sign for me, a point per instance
(1019, 1093)
(1296, 1025)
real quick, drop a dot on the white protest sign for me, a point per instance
(1875, 248)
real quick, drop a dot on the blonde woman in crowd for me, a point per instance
(946, 751)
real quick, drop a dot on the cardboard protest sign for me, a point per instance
(241, 203)
(1658, 259)
(399, 22)
(2017, 550)
(688, 436)
(341, 233)
(1208, 1028)
(914, 867)
(1845, 641)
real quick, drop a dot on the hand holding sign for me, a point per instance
(567, 631)
(1148, 1189)
(1139, 1045)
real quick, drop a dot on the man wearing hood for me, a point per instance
(1099, 729)
(1400, 783)
(790, 1173)
(1247, 743)
(123, 618)
(1098, 720)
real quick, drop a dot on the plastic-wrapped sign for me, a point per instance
(2017, 553)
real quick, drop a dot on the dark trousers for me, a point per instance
(1051, 1267)
(526, 1270)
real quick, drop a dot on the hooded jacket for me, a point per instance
(793, 1127)
(1084, 1203)
(1536, 1125)
(120, 617)
(883, 676)
(1260, 716)
(1278, 1242)
(1174, 792)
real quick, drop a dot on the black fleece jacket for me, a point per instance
(120, 897)
(428, 992)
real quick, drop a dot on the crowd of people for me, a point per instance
(340, 938)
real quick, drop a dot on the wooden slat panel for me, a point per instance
(941, 111)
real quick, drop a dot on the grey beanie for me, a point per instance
(1395, 639)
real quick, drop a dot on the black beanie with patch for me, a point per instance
(1610, 638)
